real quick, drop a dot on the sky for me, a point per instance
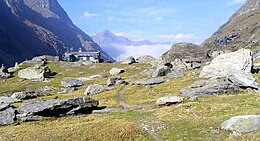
(154, 20)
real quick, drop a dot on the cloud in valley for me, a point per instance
(87, 14)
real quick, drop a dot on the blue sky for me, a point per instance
(155, 20)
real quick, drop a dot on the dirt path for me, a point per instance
(121, 98)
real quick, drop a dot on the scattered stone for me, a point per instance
(26, 95)
(67, 90)
(48, 88)
(116, 71)
(175, 74)
(14, 69)
(148, 86)
(94, 89)
(243, 80)
(81, 73)
(94, 77)
(129, 60)
(9, 100)
(216, 132)
(115, 80)
(243, 124)
(161, 71)
(147, 59)
(150, 81)
(71, 82)
(167, 101)
(240, 60)
(55, 108)
(38, 72)
(4, 75)
(7, 116)
(209, 87)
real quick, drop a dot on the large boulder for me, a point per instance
(116, 71)
(129, 60)
(243, 80)
(26, 95)
(8, 100)
(149, 81)
(175, 74)
(243, 124)
(209, 87)
(94, 89)
(240, 60)
(187, 51)
(115, 80)
(179, 65)
(169, 100)
(147, 59)
(71, 82)
(38, 72)
(52, 108)
(7, 116)
(161, 71)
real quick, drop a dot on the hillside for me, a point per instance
(31, 28)
(241, 31)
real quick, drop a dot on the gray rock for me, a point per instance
(209, 87)
(175, 74)
(94, 89)
(38, 72)
(8, 100)
(27, 118)
(26, 95)
(150, 81)
(243, 80)
(7, 116)
(243, 124)
(3, 69)
(94, 77)
(147, 72)
(52, 108)
(116, 71)
(161, 71)
(48, 88)
(196, 65)
(14, 69)
(4, 75)
(4, 106)
(169, 100)
(147, 59)
(240, 60)
(129, 60)
(158, 62)
(67, 90)
(110, 110)
(115, 80)
(71, 82)
(178, 65)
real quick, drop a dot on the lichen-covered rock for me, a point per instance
(243, 124)
(71, 82)
(38, 72)
(7, 116)
(94, 89)
(116, 71)
(169, 100)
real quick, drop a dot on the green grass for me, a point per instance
(185, 121)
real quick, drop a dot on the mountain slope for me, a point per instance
(36, 27)
(241, 31)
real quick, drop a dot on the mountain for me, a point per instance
(241, 31)
(30, 28)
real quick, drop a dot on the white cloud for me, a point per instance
(233, 2)
(160, 18)
(87, 14)
(110, 19)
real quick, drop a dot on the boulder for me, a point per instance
(38, 72)
(8, 100)
(46, 58)
(115, 80)
(94, 89)
(129, 60)
(158, 62)
(94, 77)
(243, 124)
(161, 71)
(14, 69)
(48, 88)
(4, 75)
(116, 71)
(169, 100)
(240, 60)
(7, 116)
(243, 80)
(147, 59)
(148, 72)
(67, 90)
(175, 74)
(26, 95)
(149, 81)
(179, 65)
(185, 51)
(55, 108)
(209, 87)
(71, 82)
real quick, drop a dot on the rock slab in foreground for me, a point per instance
(243, 124)
(166, 101)
(241, 60)
(7, 116)
(209, 87)
(55, 108)
(150, 81)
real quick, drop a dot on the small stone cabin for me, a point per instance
(84, 56)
